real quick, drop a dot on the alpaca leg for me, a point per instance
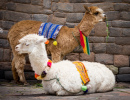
(19, 65)
(56, 56)
(15, 74)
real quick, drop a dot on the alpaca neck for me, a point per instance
(38, 59)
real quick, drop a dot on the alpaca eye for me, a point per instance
(96, 13)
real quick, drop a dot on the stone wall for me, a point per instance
(69, 12)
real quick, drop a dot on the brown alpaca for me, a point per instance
(66, 41)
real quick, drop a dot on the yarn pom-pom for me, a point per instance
(47, 42)
(84, 88)
(49, 64)
(55, 43)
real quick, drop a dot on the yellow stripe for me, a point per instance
(85, 48)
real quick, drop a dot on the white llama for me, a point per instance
(62, 78)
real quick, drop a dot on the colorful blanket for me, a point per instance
(83, 72)
(49, 30)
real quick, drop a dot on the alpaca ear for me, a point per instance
(87, 8)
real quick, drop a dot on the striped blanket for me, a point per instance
(49, 30)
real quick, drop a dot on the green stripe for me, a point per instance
(87, 45)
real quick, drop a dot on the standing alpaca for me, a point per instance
(62, 78)
(65, 39)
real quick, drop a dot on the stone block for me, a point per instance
(72, 56)
(22, 1)
(113, 48)
(127, 1)
(124, 70)
(1, 15)
(29, 8)
(54, 6)
(94, 39)
(114, 1)
(115, 32)
(27, 59)
(78, 49)
(126, 32)
(100, 29)
(78, 1)
(4, 43)
(79, 7)
(110, 40)
(121, 24)
(65, 7)
(4, 34)
(7, 24)
(126, 50)
(2, 74)
(106, 6)
(121, 60)
(60, 14)
(113, 15)
(1, 54)
(57, 20)
(99, 47)
(74, 17)
(122, 7)
(47, 12)
(123, 78)
(27, 67)
(122, 40)
(113, 69)
(95, 1)
(40, 17)
(71, 25)
(55, 0)
(104, 58)
(125, 16)
(37, 2)
(85, 57)
(16, 16)
(10, 6)
(7, 55)
(47, 4)
(6, 66)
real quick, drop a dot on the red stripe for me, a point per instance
(81, 39)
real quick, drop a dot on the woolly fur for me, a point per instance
(101, 78)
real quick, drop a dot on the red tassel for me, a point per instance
(81, 39)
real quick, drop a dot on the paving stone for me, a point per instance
(72, 56)
(60, 14)
(78, 1)
(40, 17)
(100, 29)
(47, 4)
(6, 66)
(22, 1)
(85, 57)
(10, 6)
(7, 55)
(126, 50)
(1, 54)
(99, 47)
(112, 15)
(121, 60)
(113, 69)
(124, 70)
(113, 48)
(16, 16)
(115, 32)
(125, 16)
(122, 7)
(126, 32)
(7, 24)
(94, 39)
(4, 34)
(65, 7)
(121, 24)
(74, 17)
(123, 78)
(122, 40)
(104, 58)
(29, 8)
(4, 43)
(37, 2)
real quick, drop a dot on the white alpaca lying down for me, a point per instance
(63, 78)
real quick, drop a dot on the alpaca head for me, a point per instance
(29, 42)
(95, 14)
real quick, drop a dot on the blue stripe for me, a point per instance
(49, 29)
(54, 31)
(44, 28)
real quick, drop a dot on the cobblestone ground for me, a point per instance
(34, 91)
